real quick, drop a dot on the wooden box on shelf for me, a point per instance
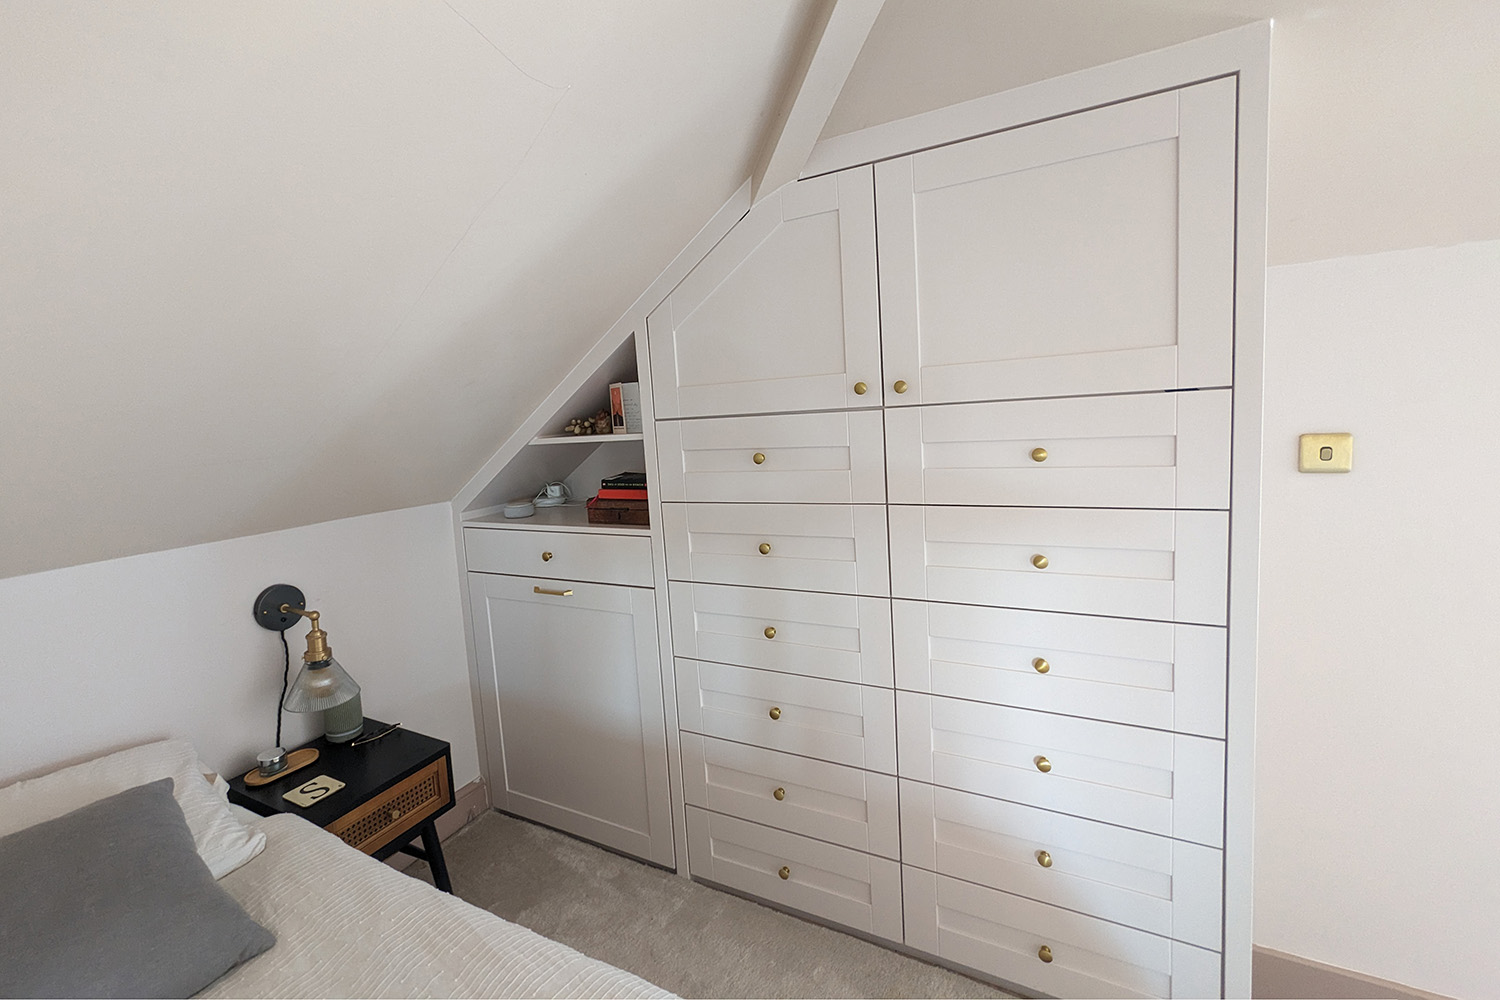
(603, 510)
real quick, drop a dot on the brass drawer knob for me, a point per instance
(758, 457)
(1044, 953)
(1039, 454)
(1044, 859)
(546, 557)
(395, 815)
(1041, 665)
(770, 631)
(1042, 764)
(775, 712)
(1039, 561)
(784, 872)
(860, 388)
(900, 386)
(765, 548)
(779, 794)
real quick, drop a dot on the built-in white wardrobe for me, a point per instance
(943, 453)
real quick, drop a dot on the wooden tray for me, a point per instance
(295, 761)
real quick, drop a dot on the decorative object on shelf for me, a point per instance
(599, 423)
(322, 685)
(625, 407)
(520, 508)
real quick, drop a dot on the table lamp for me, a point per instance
(321, 685)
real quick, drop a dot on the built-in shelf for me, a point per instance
(584, 438)
(570, 518)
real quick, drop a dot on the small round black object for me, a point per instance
(268, 611)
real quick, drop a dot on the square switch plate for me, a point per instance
(1325, 453)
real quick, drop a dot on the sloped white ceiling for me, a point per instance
(267, 264)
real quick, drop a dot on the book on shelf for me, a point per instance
(621, 494)
(624, 481)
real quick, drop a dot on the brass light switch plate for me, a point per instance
(1325, 452)
(309, 792)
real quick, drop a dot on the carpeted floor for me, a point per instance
(685, 937)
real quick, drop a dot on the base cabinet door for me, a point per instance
(1052, 951)
(573, 672)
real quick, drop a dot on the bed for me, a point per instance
(343, 924)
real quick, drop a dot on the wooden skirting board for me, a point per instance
(1276, 975)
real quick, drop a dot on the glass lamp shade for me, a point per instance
(320, 686)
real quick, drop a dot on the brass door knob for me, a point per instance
(770, 631)
(1039, 454)
(775, 713)
(765, 548)
(860, 388)
(900, 386)
(1041, 665)
(1039, 561)
(784, 872)
(1042, 764)
(1044, 953)
(758, 458)
(546, 557)
(779, 794)
(1044, 859)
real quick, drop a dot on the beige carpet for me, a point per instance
(685, 937)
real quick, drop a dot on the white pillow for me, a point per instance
(223, 842)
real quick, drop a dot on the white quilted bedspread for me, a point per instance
(348, 926)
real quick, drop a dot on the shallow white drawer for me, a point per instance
(838, 549)
(1146, 673)
(561, 555)
(1168, 887)
(1164, 783)
(843, 805)
(1003, 935)
(844, 723)
(847, 887)
(1167, 449)
(837, 636)
(836, 457)
(1160, 564)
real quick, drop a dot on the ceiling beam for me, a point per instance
(839, 30)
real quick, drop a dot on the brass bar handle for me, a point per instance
(554, 593)
(779, 794)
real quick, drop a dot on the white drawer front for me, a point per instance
(562, 555)
(837, 636)
(1165, 565)
(834, 457)
(1164, 783)
(1146, 673)
(848, 887)
(1153, 450)
(842, 805)
(824, 547)
(830, 720)
(1003, 935)
(1168, 887)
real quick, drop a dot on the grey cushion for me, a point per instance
(112, 900)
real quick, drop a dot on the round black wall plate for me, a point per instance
(268, 611)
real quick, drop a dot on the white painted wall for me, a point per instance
(1378, 776)
(110, 654)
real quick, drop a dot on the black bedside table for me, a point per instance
(394, 788)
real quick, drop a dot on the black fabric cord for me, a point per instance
(286, 669)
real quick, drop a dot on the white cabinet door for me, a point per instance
(843, 723)
(1005, 935)
(786, 458)
(1168, 887)
(1161, 449)
(1161, 564)
(1092, 253)
(1164, 783)
(852, 888)
(837, 636)
(842, 805)
(573, 669)
(783, 314)
(835, 548)
(1161, 675)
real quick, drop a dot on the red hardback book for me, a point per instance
(617, 494)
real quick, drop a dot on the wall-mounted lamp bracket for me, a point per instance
(268, 613)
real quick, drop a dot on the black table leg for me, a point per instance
(433, 848)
